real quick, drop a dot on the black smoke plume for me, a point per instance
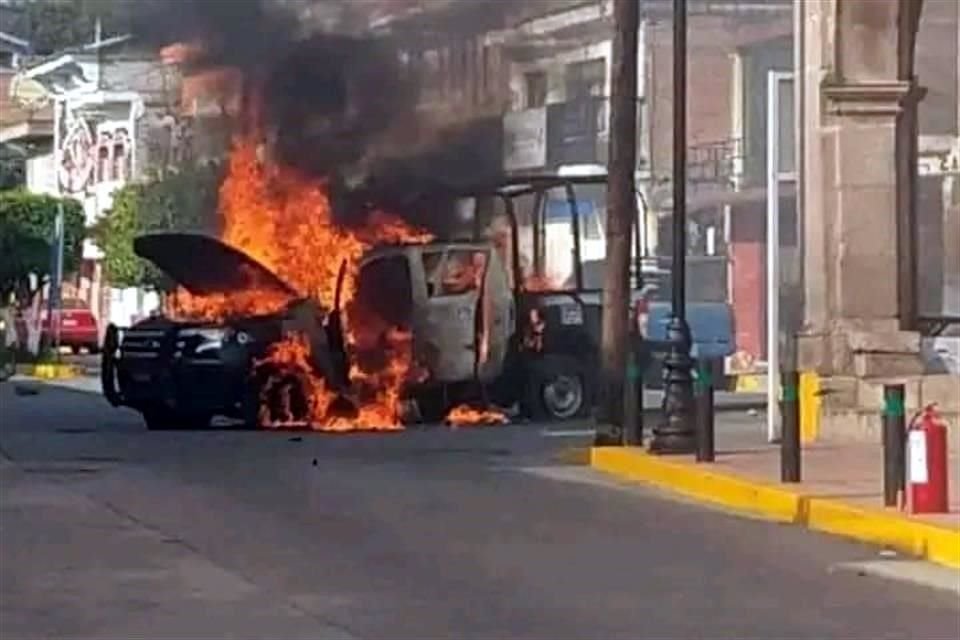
(321, 98)
(327, 102)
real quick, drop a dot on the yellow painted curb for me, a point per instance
(936, 544)
(697, 482)
(53, 371)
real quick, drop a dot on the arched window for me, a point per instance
(120, 167)
(104, 164)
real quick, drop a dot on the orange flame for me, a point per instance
(464, 415)
(292, 357)
(181, 52)
(285, 221)
(219, 306)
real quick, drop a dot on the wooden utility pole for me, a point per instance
(621, 217)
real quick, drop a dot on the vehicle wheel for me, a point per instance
(286, 403)
(250, 405)
(557, 389)
(7, 369)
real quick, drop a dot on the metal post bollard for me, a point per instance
(790, 436)
(894, 442)
(633, 399)
(639, 394)
(705, 416)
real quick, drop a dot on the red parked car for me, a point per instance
(78, 326)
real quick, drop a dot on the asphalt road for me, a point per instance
(110, 531)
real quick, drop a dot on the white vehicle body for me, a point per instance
(592, 215)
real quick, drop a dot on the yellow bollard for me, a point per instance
(809, 407)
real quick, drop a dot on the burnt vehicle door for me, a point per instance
(463, 319)
(498, 320)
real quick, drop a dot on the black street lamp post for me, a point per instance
(675, 432)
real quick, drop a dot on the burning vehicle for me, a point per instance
(432, 327)
(394, 325)
(256, 328)
(312, 310)
(180, 373)
(309, 311)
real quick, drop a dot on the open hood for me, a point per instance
(204, 265)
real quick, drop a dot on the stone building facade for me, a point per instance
(864, 79)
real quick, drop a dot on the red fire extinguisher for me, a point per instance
(927, 466)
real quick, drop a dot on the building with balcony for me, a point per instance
(558, 65)
(559, 78)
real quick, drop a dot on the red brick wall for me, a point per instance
(711, 42)
(748, 276)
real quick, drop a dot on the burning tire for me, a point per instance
(283, 402)
(558, 388)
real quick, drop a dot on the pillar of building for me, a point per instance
(859, 192)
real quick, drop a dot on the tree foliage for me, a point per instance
(12, 167)
(182, 200)
(27, 224)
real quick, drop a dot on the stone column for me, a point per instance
(951, 211)
(860, 171)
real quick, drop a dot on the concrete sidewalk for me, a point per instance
(841, 491)
(84, 383)
(848, 471)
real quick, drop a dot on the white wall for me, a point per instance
(129, 305)
(41, 175)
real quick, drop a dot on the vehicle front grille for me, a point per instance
(142, 343)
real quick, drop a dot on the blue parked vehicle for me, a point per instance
(711, 328)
